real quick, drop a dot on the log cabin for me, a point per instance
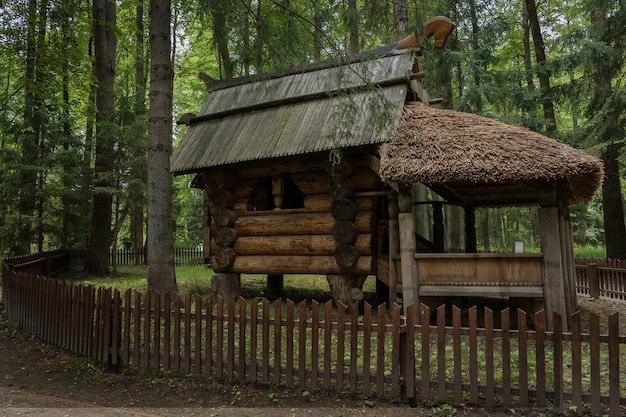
(312, 172)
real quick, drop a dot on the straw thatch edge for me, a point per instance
(435, 146)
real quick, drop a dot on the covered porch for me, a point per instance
(474, 162)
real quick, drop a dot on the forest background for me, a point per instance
(554, 66)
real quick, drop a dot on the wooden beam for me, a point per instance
(549, 233)
(394, 247)
(406, 226)
(322, 265)
(481, 291)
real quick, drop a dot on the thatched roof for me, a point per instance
(479, 161)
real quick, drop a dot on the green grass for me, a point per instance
(590, 252)
(197, 280)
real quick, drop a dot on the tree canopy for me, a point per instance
(555, 67)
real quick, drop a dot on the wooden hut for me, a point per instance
(310, 172)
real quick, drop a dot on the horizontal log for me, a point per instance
(241, 208)
(345, 166)
(324, 202)
(318, 203)
(295, 245)
(216, 179)
(277, 223)
(312, 182)
(321, 265)
(364, 179)
(278, 168)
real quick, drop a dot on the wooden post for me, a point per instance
(438, 224)
(275, 283)
(594, 282)
(554, 293)
(346, 289)
(470, 230)
(278, 191)
(406, 225)
(571, 264)
(566, 257)
(227, 285)
(394, 248)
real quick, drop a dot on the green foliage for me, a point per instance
(46, 167)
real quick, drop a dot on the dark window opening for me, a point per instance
(261, 197)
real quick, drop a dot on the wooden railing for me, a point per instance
(476, 355)
(601, 278)
(49, 264)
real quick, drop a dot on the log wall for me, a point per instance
(330, 233)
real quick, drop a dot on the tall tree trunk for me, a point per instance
(137, 192)
(544, 76)
(161, 273)
(530, 83)
(104, 16)
(317, 31)
(260, 33)
(29, 140)
(87, 173)
(478, 102)
(612, 202)
(40, 80)
(401, 17)
(352, 18)
(220, 32)
(67, 128)
(610, 132)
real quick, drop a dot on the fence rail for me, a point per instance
(477, 355)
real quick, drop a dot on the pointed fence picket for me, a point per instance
(478, 356)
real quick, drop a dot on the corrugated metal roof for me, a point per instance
(344, 106)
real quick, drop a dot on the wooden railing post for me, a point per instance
(594, 280)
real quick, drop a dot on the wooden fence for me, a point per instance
(137, 256)
(458, 356)
(601, 278)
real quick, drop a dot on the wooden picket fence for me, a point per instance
(137, 256)
(456, 356)
(601, 278)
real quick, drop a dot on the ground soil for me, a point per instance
(41, 380)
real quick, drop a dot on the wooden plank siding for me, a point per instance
(492, 357)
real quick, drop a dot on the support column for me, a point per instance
(438, 225)
(470, 230)
(394, 247)
(567, 252)
(275, 282)
(550, 235)
(406, 225)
